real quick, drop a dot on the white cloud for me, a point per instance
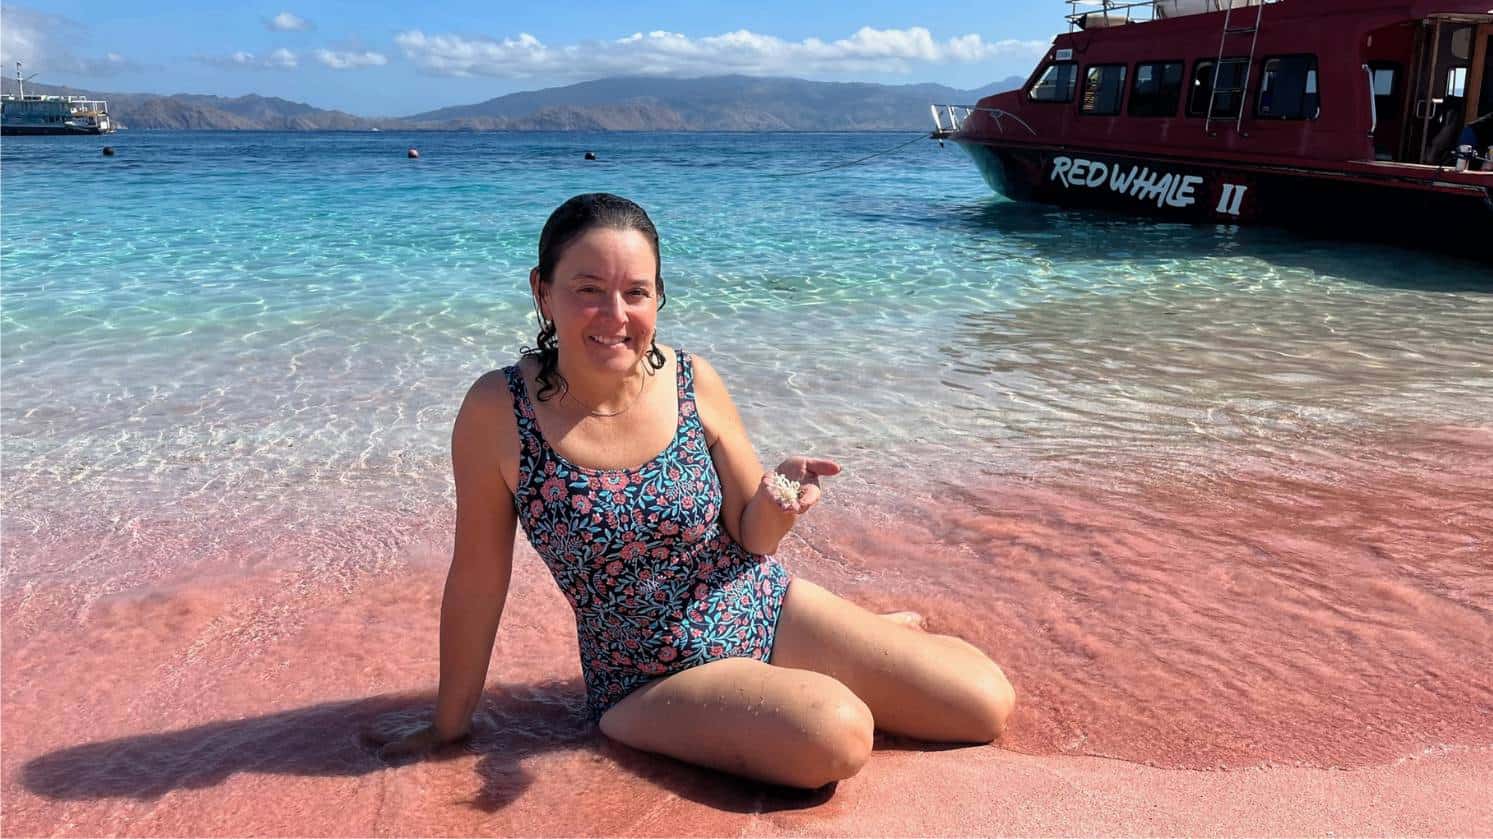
(23, 34)
(287, 22)
(350, 60)
(111, 63)
(44, 43)
(664, 53)
(280, 59)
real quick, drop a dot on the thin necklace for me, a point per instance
(595, 413)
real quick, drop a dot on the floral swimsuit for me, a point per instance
(656, 582)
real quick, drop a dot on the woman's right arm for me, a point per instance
(482, 562)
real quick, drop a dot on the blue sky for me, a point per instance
(393, 59)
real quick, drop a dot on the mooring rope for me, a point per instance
(851, 163)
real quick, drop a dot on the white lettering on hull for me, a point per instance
(1232, 197)
(1165, 189)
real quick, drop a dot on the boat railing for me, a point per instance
(948, 120)
(1101, 14)
(74, 101)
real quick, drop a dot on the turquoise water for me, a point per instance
(1149, 467)
(314, 304)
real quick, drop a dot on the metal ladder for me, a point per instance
(1223, 40)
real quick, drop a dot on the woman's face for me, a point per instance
(603, 299)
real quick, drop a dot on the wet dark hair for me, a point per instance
(567, 223)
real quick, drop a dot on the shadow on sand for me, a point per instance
(332, 739)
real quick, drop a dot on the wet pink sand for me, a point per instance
(1271, 647)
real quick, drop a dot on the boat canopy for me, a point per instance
(1178, 8)
(1100, 14)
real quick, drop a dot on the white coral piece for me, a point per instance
(783, 490)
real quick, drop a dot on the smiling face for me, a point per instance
(603, 298)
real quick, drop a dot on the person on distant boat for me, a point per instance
(695, 642)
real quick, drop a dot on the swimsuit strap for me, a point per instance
(689, 414)
(523, 410)
(531, 444)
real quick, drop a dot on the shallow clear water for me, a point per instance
(1213, 496)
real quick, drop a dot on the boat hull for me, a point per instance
(1236, 193)
(21, 130)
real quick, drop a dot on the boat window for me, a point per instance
(1157, 89)
(1103, 88)
(1230, 87)
(1456, 81)
(1056, 83)
(1384, 79)
(1288, 88)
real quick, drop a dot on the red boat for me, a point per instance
(1373, 117)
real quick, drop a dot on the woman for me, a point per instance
(695, 642)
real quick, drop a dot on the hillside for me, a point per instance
(182, 111)
(719, 103)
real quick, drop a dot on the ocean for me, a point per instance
(1215, 498)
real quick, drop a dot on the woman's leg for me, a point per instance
(931, 687)
(747, 717)
(911, 620)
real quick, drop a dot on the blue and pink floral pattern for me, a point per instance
(656, 582)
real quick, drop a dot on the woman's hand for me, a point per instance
(806, 471)
(397, 739)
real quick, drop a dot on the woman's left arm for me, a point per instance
(751, 515)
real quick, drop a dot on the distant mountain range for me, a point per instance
(716, 103)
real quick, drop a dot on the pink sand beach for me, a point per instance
(1281, 647)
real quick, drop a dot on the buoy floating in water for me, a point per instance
(108, 151)
(590, 155)
(413, 154)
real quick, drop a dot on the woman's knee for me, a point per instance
(988, 698)
(837, 742)
(995, 700)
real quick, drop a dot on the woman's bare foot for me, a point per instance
(911, 620)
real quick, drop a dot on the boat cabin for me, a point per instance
(1385, 80)
(1370, 118)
